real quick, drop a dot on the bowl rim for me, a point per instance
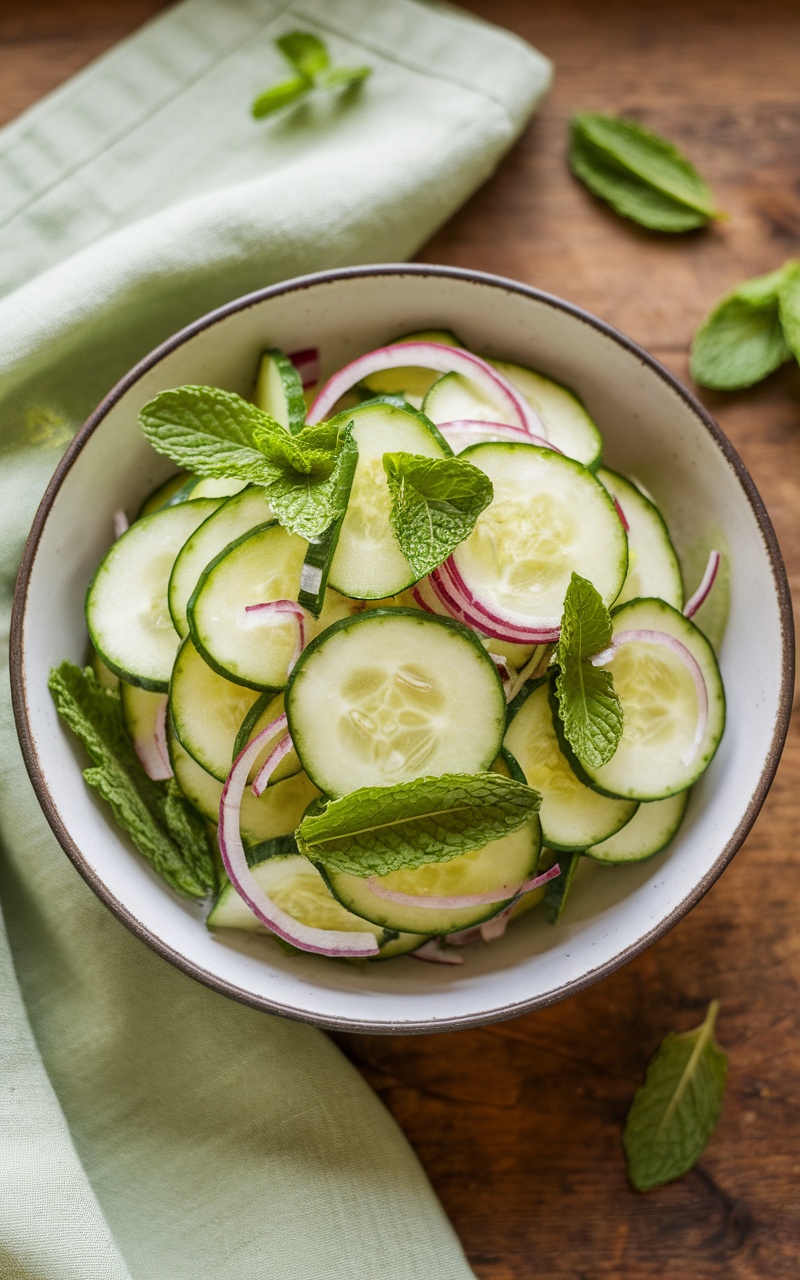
(371, 1024)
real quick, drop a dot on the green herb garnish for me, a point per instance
(376, 830)
(309, 58)
(217, 433)
(745, 336)
(588, 706)
(677, 1108)
(640, 174)
(435, 503)
(161, 823)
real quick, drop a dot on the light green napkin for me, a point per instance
(150, 1128)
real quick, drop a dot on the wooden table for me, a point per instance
(518, 1125)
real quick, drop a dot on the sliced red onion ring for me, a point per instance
(436, 952)
(259, 784)
(492, 431)
(429, 355)
(420, 600)
(121, 523)
(689, 661)
(152, 752)
(490, 620)
(453, 903)
(306, 363)
(271, 611)
(706, 583)
(325, 942)
(493, 929)
(622, 517)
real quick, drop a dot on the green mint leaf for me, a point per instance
(208, 431)
(588, 705)
(435, 503)
(159, 821)
(677, 1108)
(557, 891)
(313, 476)
(306, 53)
(344, 77)
(640, 174)
(280, 95)
(376, 830)
(742, 340)
(789, 306)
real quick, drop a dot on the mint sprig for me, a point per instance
(677, 1108)
(376, 830)
(750, 333)
(216, 433)
(161, 823)
(435, 503)
(309, 59)
(588, 706)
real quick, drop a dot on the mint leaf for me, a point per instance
(344, 77)
(376, 830)
(677, 1108)
(789, 306)
(435, 503)
(280, 95)
(588, 705)
(742, 339)
(305, 51)
(640, 174)
(162, 825)
(208, 431)
(313, 476)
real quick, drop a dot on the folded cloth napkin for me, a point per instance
(150, 1128)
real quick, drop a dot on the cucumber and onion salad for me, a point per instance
(404, 652)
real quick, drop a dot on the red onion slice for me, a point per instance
(429, 355)
(324, 942)
(420, 600)
(494, 623)
(271, 611)
(306, 362)
(488, 431)
(689, 661)
(152, 752)
(706, 583)
(622, 517)
(261, 780)
(453, 903)
(434, 951)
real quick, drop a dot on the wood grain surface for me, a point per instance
(519, 1125)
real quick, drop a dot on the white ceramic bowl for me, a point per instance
(652, 427)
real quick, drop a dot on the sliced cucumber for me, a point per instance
(368, 563)
(453, 397)
(567, 423)
(211, 487)
(656, 757)
(557, 891)
(279, 391)
(261, 566)
(236, 516)
(126, 605)
(410, 383)
(141, 711)
(391, 695)
(400, 945)
(651, 829)
(162, 496)
(653, 568)
(572, 814)
(320, 551)
(549, 517)
(107, 678)
(500, 865)
(207, 710)
(267, 708)
(294, 884)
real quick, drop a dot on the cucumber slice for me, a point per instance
(321, 551)
(651, 829)
(213, 487)
(296, 886)
(659, 707)
(401, 945)
(653, 568)
(498, 865)
(262, 713)
(141, 710)
(236, 516)
(368, 563)
(557, 891)
(279, 391)
(572, 814)
(126, 605)
(567, 423)
(260, 566)
(162, 496)
(410, 383)
(391, 695)
(207, 710)
(277, 812)
(549, 517)
(107, 678)
(453, 397)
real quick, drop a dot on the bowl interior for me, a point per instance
(651, 430)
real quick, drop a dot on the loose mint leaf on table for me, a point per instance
(309, 58)
(677, 1108)
(280, 95)
(789, 306)
(162, 825)
(435, 503)
(344, 77)
(640, 174)
(588, 705)
(306, 52)
(743, 339)
(376, 830)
